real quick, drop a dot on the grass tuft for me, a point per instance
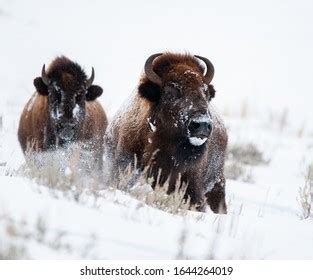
(240, 161)
(305, 198)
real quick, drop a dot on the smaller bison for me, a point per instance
(170, 130)
(63, 110)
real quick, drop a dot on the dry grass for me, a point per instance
(12, 252)
(237, 171)
(305, 198)
(68, 171)
(21, 232)
(135, 182)
(182, 254)
(248, 154)
(283, 119)
(63, 170)
(240, 161)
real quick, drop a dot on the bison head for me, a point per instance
(179, 93)
(67, 88)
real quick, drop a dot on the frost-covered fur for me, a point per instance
(151, 131)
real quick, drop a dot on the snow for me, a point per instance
(259, 94)
(76, 111)
(196, 141)
(202, 119)
(189, 72)
(205, 87)
(55, 114)
(152, 126)
(263, 222)
(68, 171)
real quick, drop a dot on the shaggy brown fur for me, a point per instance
(155, 127)
(66, 102)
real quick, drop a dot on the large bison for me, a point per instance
(63, 110)
(170, 130)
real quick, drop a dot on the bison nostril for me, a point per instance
(194, 125)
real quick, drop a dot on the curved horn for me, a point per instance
(151, 75)
(44, 76)
(92, 77)
(209, 69)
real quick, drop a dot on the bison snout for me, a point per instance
(66, 131)
(199, 130)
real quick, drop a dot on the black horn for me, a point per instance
(151, 75)
(209, 69)
(90, 80)
(44, 76)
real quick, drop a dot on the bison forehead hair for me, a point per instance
(67, 73)
(182, 71)
(165, 63)
(68, 76)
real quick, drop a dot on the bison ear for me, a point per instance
(93, 92)
(150, 91)
(40, 86)
(211, 91)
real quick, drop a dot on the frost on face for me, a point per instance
(55, 114)
(76, 111)
(196, 141)
(203, 90)
(152, 125)
(189, 72)
(176, 85)
(204, 87)
(183, 116)
(203, 119)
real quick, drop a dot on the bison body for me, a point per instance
(172, 132)
(63, 110)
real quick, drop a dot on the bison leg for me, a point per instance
(196, 196)
(216, 198)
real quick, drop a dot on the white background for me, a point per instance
(262, 50)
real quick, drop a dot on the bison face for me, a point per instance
(67, 110)
(181, 103)
(67, 98)
(184, 107)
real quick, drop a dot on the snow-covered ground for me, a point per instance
(262, 55)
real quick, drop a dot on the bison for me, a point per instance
(63, 110)
(170, 130)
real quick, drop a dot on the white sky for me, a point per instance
(262, 50)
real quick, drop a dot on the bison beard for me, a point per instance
(156, 129)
